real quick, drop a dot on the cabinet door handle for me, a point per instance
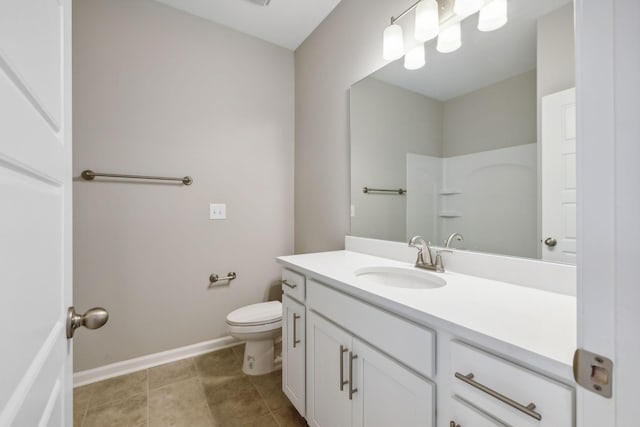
(343, 350)
(295, 334)
(529, 409)
(352, 390)
(292, 286)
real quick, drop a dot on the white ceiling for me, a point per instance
(494, 56)
(286, 23)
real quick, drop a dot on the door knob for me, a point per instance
(550, 241)
(92, 319)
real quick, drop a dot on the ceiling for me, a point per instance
(286, 23)
(495, 55)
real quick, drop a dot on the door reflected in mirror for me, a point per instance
(478, 138)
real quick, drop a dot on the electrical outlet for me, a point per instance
(217, 211)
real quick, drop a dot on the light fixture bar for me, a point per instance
(413, 6)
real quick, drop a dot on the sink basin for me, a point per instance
(399, 277)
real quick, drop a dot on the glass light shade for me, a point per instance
(392, 43)
(427, 20)
(493, 15)
(449, 39)
(414, 59)
(466, 7)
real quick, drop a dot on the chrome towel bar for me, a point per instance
(367, 190)
(230, 276)
(89, 175)
(529, 409)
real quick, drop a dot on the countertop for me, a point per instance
(541, 323)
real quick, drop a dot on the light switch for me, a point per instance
(217, 211)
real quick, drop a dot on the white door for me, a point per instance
(387, 393)
(559, 177)
(608, 107)
(328, 403)
(35, 213)
(293, 352)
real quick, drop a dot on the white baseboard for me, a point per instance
(127, 366)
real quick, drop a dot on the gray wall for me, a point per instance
(387, 122)
(344, 49)
(497, 116)
(157, 91)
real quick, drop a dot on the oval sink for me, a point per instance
(400, 277)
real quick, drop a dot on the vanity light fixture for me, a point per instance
(414, 59)
(493, 15)
(449, 39)
(428, 17)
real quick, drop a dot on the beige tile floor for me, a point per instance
(204, 391)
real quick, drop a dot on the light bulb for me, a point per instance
(449, 39)
(414, 59)
(392, 43)
(493, 15)
(466, 7)
(427, 20)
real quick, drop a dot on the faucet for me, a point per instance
(457, 236)
(424, 259)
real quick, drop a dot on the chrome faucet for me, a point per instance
(457, 236)
(424, 259)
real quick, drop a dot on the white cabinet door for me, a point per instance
(387, 393)
(328, 403)
(35, 213)
(293, 352)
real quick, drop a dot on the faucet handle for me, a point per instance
(438, 264)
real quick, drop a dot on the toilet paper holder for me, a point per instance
(230, 276)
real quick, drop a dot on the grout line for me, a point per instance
(264, 401)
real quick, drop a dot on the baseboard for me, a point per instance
(127, 366)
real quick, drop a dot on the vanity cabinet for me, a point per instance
(350, 383)
(355, 363)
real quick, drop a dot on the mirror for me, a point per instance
(458, 146)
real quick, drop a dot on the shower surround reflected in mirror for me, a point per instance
(462, 136)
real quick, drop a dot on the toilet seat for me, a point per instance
(268, 314)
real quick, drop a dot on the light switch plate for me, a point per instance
(217, 211)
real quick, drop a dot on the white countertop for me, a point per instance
(541, 323)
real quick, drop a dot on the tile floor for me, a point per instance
(208, 391)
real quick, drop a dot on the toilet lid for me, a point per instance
(256, 314)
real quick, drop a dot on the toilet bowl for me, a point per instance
(259, 325)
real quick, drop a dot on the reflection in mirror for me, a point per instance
(466, 136)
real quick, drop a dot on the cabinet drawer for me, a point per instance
(405, 341)
(464, 415)
(293, 284)
(499, 387)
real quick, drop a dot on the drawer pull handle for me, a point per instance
(529, 409)
(295, 332)
(343, 350)
(352, 390)
(292, 286)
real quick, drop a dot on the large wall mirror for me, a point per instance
(480, 141)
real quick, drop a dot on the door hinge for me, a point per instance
(593, 372)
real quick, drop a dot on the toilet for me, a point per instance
(259, 325)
